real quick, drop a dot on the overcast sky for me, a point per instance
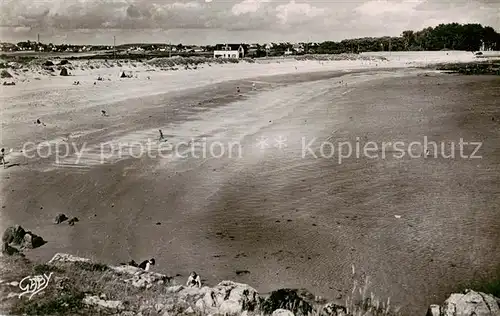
(219, 21)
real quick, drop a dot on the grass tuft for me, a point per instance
(91, 266)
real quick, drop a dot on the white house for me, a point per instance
(299, 48)
(229, 51)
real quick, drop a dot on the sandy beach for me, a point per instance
(417, 227)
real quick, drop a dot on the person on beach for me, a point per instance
(2, 157)
(238, 89)
(162, 138)
(194, 280)
(104, 113)
(146, 264)
(253, 86)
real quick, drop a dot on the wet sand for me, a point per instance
(290, 221)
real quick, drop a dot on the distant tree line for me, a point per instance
(453, 36)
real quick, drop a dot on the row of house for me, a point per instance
(245, 50)
(219, 51)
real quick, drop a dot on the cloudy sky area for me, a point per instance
(219, 21)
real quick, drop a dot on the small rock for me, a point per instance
(433, 310)
(72, 221)
(64, 72)
(5, 74)
(332, 309)
(282, 312)
(159, 307)
(8, 250)
(240, 272)
(96, 301)
(60, 218)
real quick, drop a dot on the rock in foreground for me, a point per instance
(16, 236)
(470, 303)
(79, 286)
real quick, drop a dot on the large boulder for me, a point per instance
(470, 303)
(226, 298)
(299, 302)
(14, 235)
(17, 236)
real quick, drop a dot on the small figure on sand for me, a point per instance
(76, 83)
(2, 157)
(162, 138)
(104, 113)
(238, 89)
(253, 86)
(194, 280)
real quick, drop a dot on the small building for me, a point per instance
(298, 48)
(197, 49)
(230, 51)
